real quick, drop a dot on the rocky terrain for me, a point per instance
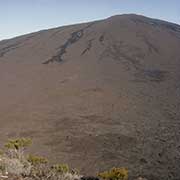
(97, 95)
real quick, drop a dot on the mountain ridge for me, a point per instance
(118, 15)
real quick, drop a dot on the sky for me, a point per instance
(19, 17)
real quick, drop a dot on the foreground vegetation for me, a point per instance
(16, 164)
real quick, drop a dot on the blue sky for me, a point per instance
(23, 16)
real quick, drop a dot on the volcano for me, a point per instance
(97, 95)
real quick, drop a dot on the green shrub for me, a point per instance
(36, 160)
(114, 174)
(39, 168)
(18, 143)
(60, 168)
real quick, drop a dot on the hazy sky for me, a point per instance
(23, 16)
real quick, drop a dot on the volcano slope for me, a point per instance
(97, 95)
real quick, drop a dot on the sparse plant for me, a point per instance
(36, 160)
(39, 168)
(18, 143)
(15, 147)
(15, 163)
(60, 168)
(114, 174)
(17, 167)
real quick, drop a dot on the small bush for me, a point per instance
(15, 147)
(115, 174)
(16, 167)
(60, 168)
(39, 168)
(12, 159)
(36, 160)
(18, 143)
